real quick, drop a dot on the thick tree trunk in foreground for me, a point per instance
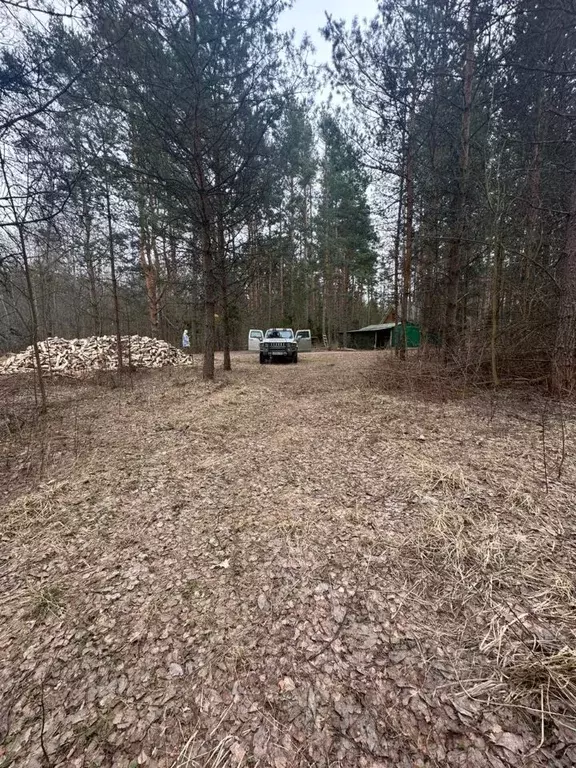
(223, 273)
(227, 365)
(227, 331)
(209, 302)
(34, 317)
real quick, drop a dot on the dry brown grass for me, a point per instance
(421, 376)
(289, 567)
(425, 376)
(500, 555)
(493, 541)
(196, 754)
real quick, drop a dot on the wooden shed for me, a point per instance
(383, 336)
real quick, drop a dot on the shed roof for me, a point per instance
(372, 328)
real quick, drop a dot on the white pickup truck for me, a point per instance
(279, 343)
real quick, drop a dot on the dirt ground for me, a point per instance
(288, 567)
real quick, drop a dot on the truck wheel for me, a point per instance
(262, 359)
(295, 357)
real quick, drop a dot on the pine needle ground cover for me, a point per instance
(293, 566)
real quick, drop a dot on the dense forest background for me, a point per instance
(165, 164)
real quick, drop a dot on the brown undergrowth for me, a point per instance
(425, 375)
(498, 548)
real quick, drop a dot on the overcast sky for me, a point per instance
(307, 16)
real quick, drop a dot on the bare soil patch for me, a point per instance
(288, 567)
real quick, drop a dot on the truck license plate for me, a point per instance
(277, 352)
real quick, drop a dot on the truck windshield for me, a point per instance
(278, 334)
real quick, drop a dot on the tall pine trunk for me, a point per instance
(149, 269)
(112, 254)
(209, 301)
(34, 318)
(494, 310)
(325, 294)
(224, 288)
(407, 265)
(227, 342)
(147, 249)
(564, 354)
(533, 217)
(204, 210)
(87, 219)
(397, 238)
(455, 249)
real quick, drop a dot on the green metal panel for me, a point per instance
(412, 335)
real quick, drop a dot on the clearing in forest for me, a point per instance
(288, 567)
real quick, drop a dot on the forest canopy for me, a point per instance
(167, 164)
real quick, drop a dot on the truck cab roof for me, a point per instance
(279, 333)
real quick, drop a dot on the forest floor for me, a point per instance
(291, 566)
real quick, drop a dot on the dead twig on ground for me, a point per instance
(43, 725)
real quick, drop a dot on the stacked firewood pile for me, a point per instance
(76, 356)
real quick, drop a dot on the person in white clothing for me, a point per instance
(186, 342)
